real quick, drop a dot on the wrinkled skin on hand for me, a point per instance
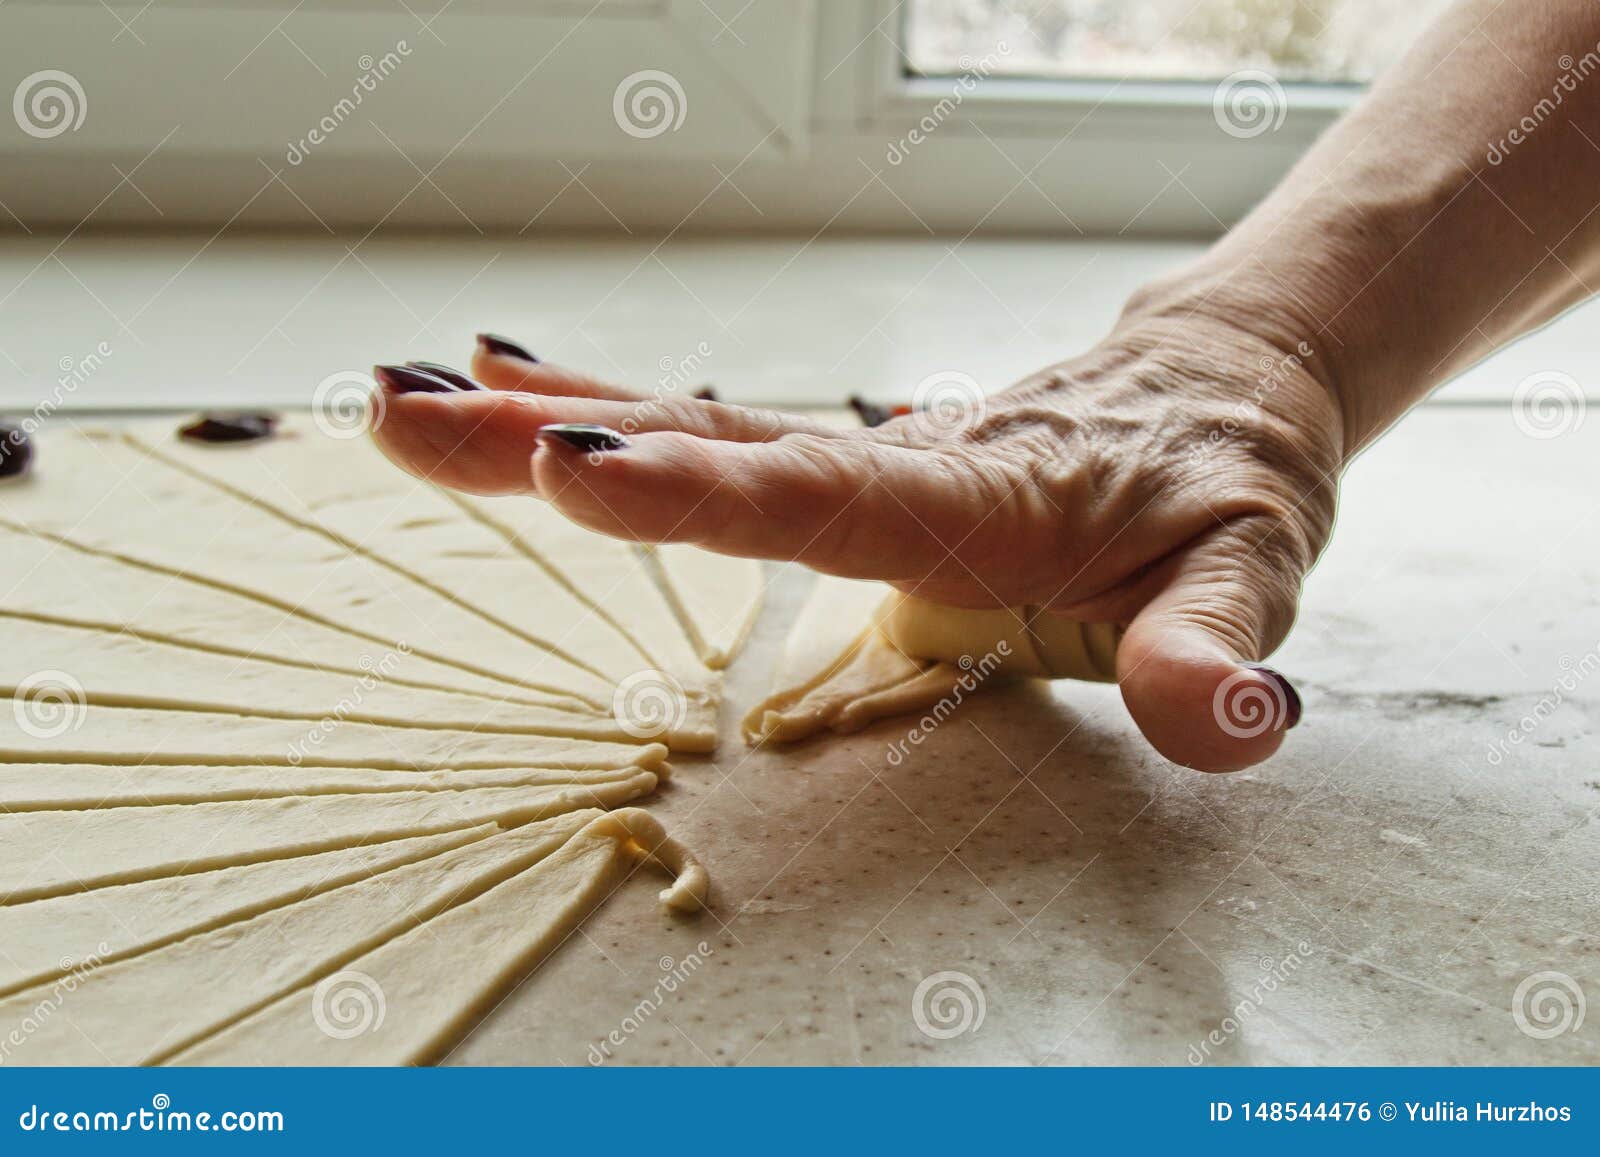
(1179, 478)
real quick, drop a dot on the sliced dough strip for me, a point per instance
(176, 521)
(30, 787)
(606, 573)
(351, 494)
(53, 579)
(90, 733)
(487, 947)
(716, 597)
(136, 1010)
(118, 669)
(46, 939)
(46, 854)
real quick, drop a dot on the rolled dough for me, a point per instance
(859, 652)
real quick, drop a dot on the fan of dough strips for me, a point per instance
(294, 736)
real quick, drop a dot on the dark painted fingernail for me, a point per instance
(585, 436)
(1291, 697)
(870, 413)
(410, 380)
(505, 347)
(455, 377)
(16, 452)
(230, 426)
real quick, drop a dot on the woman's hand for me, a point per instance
(1179, 478)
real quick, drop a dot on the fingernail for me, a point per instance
(585, 436)
(1291, 697)
(455, 377)
(504, 347)
(410, 380)
(870, 413)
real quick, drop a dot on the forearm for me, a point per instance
(1452, 211)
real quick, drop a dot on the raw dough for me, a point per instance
(46, 939)
(26, 787)
(133, 735)
(486, 947)
(119, 669)
(717, 598)
(1023, 641)
(137, 1010)
(53, 579)
(177, 522)
(350, 492)
(607, 574)
(859, 653)
(49, 853)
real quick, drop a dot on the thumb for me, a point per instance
(1188, 662)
